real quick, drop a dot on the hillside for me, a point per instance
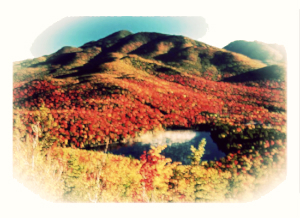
(151, 51)
(269, 54)
(71, 106)
(273, 72)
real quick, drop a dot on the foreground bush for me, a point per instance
(75, 175)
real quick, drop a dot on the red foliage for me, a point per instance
(147, 170)
(94, 112)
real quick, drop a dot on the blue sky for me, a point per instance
(75, 31)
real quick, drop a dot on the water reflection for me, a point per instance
(179, 144)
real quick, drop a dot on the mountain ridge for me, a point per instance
(180, 52)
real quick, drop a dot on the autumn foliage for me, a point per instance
(57, 122)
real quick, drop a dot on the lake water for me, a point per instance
(179, 145)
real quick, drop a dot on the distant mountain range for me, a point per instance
(269, 54)
(151, 52)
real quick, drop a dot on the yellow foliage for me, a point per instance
(77, 175)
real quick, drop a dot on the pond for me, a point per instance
(179, 145)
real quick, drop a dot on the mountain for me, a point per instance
(174, 78)
(269, 54)
(151, 51)
(108, 92)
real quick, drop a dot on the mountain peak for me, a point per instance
(119, 34)
(108, 40)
